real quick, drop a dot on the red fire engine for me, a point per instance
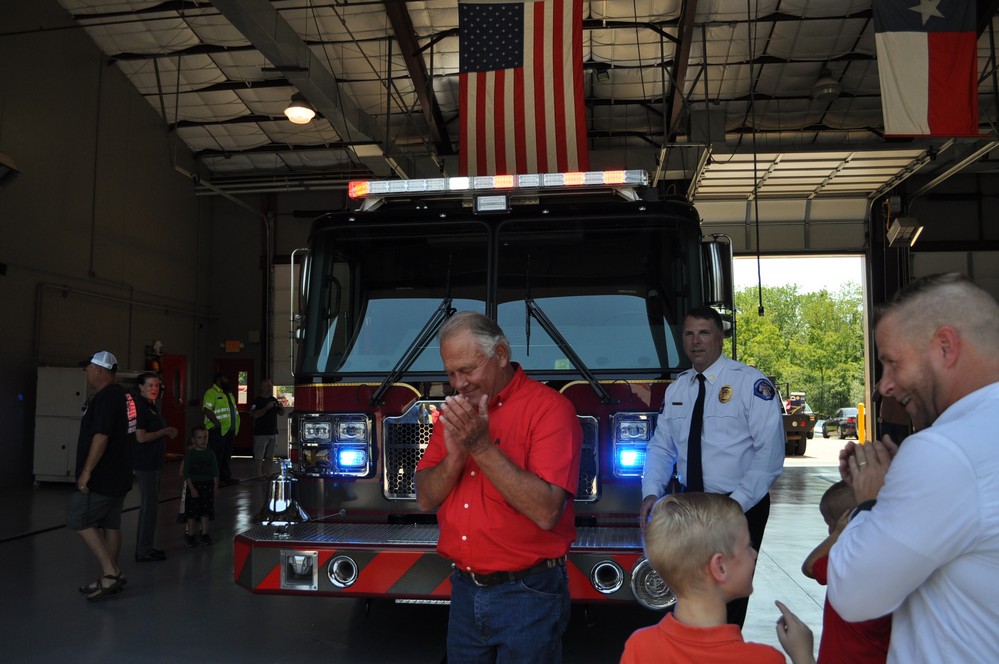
(588, 279)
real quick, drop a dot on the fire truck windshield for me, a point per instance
(372, 289)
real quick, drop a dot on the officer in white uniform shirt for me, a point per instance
(742, 439)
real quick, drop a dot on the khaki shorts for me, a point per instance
(94, 510)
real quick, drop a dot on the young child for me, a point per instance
(860, 643)
(201, 476)
(699, 544)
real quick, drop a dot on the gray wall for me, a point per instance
(104, 244)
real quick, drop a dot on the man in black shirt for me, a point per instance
(265, 409)
(103, 472)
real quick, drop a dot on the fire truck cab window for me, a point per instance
(373, 291)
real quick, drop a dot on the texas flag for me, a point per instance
(521, 87)
(927, 62)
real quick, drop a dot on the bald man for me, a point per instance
(923, 543)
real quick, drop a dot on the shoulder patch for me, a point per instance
(764, 390)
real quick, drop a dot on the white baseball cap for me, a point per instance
(102, 358)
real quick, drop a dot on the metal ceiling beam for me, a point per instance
(402, 25)
(680, 62)
(271, 34)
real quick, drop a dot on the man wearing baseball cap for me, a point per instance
(103, 472)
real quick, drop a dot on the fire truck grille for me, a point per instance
(590, 537)
(405, 443)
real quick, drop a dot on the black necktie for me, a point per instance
(695, 476)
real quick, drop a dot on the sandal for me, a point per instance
(117, 581)
(91, 588)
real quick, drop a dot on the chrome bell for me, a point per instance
(281, 508)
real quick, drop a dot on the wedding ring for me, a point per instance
(861, 463)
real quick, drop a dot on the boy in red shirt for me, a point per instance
(699, 544)
(859, 643)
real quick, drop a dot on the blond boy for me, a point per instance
(699, 543)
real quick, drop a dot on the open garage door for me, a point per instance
(812, 336)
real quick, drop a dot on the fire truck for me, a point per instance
(588, 274)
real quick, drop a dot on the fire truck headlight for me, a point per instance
(351, 454)
(632, 432)
(317, 431)
(352, 429)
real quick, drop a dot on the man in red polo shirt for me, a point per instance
(502, 466)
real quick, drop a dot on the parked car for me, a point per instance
(843, 422)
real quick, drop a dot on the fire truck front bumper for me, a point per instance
(400, 562)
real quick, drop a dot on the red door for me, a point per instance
(241, 378)
(173, 369)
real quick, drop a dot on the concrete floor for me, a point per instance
(188, 608)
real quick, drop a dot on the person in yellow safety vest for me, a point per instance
(222, 422)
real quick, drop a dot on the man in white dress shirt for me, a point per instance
(741, 437)
(923, 543)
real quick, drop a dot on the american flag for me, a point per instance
(927, 63)
(521, 87)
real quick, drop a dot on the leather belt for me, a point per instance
(496, 578)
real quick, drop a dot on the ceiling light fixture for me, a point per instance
(826, 88)
(601, 71)
(903, 229)
(299, 111)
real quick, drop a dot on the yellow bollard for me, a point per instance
(861, 430)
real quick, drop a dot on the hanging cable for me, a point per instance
(756, 181)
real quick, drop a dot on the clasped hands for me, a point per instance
(466, 425)
(864, 466)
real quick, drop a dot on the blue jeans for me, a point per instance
(518, 622)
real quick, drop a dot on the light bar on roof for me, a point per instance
(511, 183)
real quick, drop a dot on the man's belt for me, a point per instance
(496, 578)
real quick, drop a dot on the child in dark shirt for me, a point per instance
(201, 475)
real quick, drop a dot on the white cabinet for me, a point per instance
(55, 448)
(61, 395)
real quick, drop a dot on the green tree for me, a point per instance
(809, 342)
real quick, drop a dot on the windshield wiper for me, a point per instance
(443, 311)
(534, 310)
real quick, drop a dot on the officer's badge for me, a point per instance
(725, 394)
